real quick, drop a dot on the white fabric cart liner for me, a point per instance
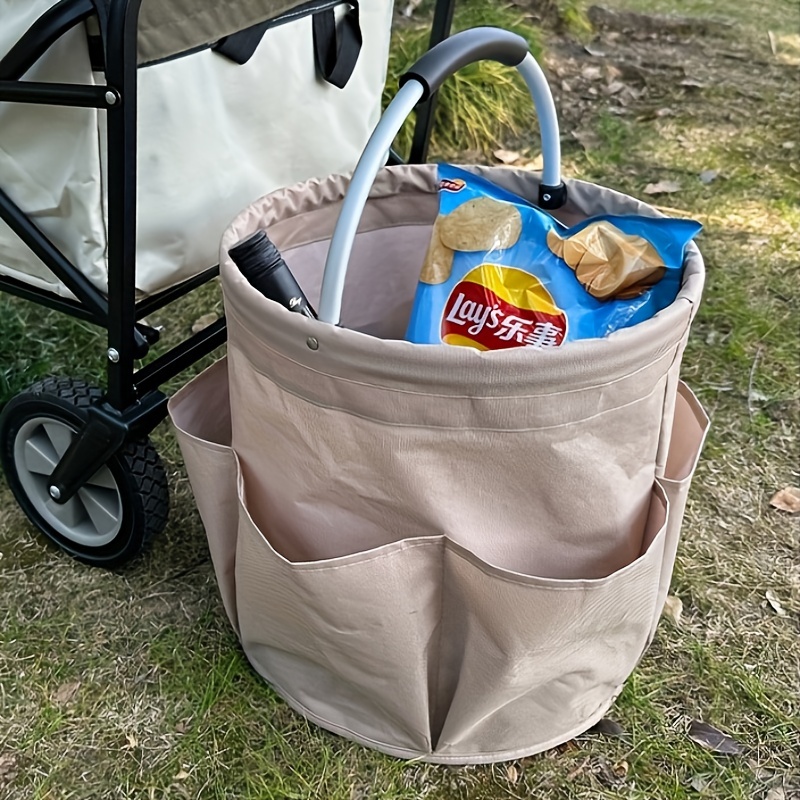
(438, 552)
(213, 136)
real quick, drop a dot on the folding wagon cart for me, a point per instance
(131, 132)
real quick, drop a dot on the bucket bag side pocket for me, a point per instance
(689, 429)
(200, 412)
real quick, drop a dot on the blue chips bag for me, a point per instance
(500, 272)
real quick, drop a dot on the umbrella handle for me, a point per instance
(416, 85)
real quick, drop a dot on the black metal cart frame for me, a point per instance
(132, 404)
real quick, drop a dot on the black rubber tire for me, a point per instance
(136, 468)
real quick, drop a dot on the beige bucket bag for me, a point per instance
(435, 551)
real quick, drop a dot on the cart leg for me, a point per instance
(440, 30)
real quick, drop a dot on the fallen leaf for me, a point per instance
(591, 73)
(788, 145)
(691, 83)
(507, 156)
(565, 87)
(772, 45)
(203, 322)
(787, 499)
(788, 48)
(776, 793)
(628, 94)
(615, 87)
(183, 726)
(620, 769)
(713, 739)
(66, 693)
(608, 727)
(181, 776)
(772, 599)
(593, 51)
(662, 187)
(709, 175)
(512, 773)
(665, 112)
(700, 782)
(8, 768)
(673, 608)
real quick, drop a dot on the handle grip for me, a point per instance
(425, 76)
(476, 44)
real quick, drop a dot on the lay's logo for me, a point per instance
(495, 307)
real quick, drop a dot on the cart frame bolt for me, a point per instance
(54, 492)
(113, 355)
(313, 343)
(111, 98)
(546, 198)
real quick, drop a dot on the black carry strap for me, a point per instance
(240, 46)
(336, 48)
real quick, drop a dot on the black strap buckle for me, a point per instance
(336, 46)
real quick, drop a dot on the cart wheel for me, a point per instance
(114, 516)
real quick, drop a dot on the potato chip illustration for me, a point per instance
(438, 262)
(609, 263)
(481, 224)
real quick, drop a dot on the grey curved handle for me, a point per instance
(460, 49)
(476, 44)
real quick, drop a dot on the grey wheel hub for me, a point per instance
(93, 517)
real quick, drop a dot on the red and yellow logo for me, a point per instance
(451, 184)
(495, 307)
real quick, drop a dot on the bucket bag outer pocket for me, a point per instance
(690, 426)
(421, 649)
(201, 415)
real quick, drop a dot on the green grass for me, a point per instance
(36, 343)
(481, 105)
(167, 705)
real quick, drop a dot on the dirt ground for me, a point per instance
(639, 66)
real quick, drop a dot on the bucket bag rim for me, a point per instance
(313, 344)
